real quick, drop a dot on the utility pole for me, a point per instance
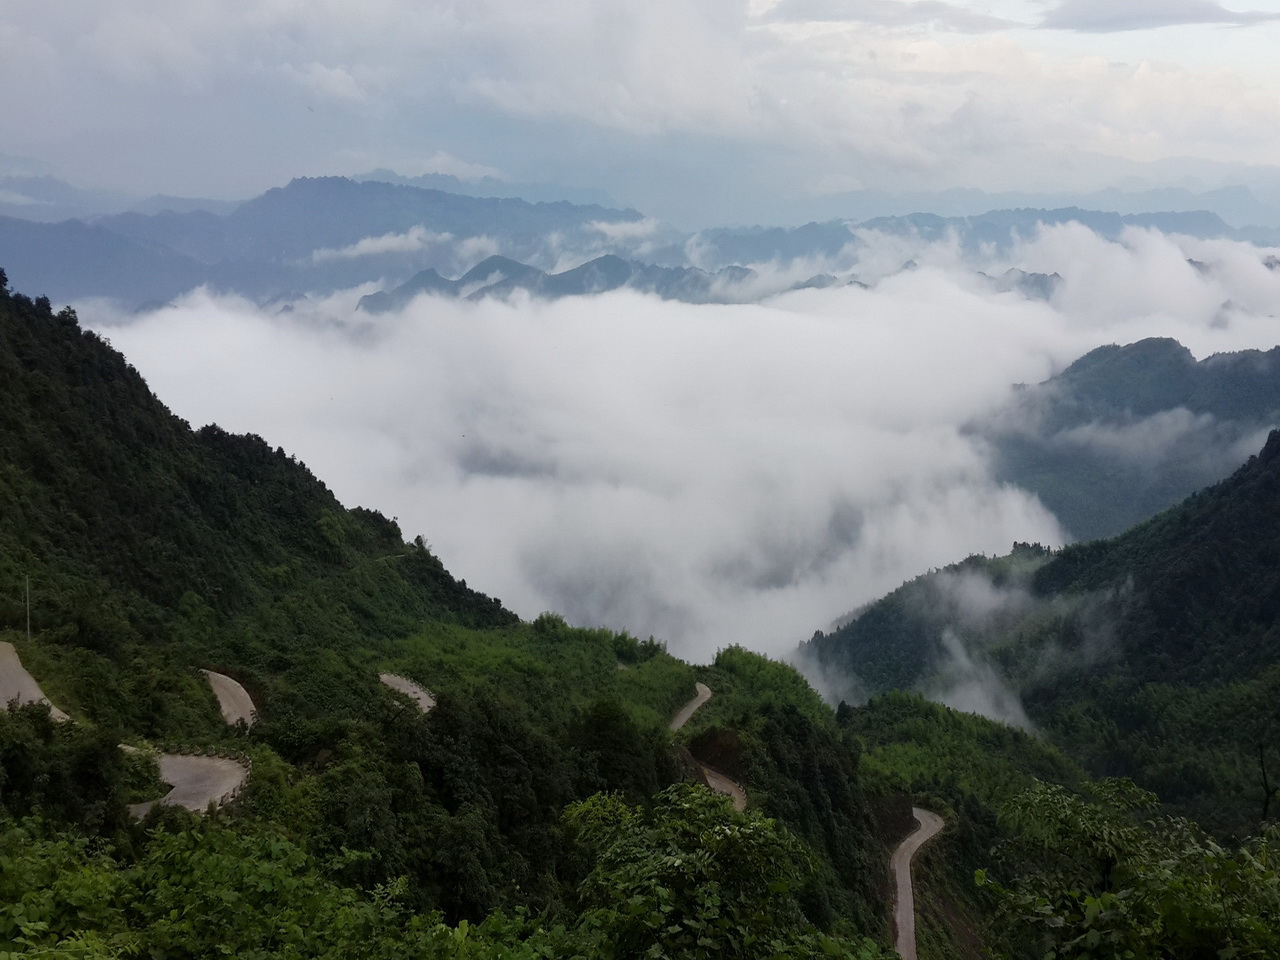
(28, 609)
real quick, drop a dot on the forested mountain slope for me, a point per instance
(1127, 431)
(1155, 654)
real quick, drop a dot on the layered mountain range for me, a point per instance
(318, 235)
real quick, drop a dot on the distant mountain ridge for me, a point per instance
(266, 246)
(323, 234)
(488, 186)
(1001, 228)
(500, 276)
(1126, 431)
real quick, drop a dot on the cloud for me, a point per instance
(965, 684)
(329, 83)
(1148, 441)
(890, 13)
(19, 199)
(706, 474)
(1107, 16)
(415, 238)
(625, 230)
(446, 163)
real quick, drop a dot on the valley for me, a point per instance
(203, 597)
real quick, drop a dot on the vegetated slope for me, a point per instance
(1127, 431)
(1155, 654)
(153, 550)
(137, 533)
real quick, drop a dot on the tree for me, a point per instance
(693, 878)
(1106, 879)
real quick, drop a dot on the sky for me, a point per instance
(706, 474)
(698, 111)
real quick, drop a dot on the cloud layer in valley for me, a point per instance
(707, 474)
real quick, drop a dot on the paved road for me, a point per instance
(196, 781)
(715, 780)
(233, 699)
(722, 784)
(16, 683)
(421, 695)
(689, 709)
(904, 911)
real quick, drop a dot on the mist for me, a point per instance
(706, 474)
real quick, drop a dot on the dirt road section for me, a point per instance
(17, 684)
(233, 699)
(722, 784)
(197, 781)
(715, 780)
(904, 910)
(420, 694)
(682, 716)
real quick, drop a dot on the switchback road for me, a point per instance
(715, 780)
(233, 700)
(904, 910)
(17, 684)
(420, 694)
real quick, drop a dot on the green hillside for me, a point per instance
(1154, 655)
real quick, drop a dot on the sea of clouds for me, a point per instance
(706, 474)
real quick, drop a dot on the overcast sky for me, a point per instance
(692, 109)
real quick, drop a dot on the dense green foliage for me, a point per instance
(929, 750)
(1105, 879)
(691, 878)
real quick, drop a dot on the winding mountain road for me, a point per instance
(715, 780)
(197, 781)
(904, 910)
(233, 700)
(702, 695)
(17, 684)
(416, 691)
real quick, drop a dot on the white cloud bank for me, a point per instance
(411, 241)
(707, 474)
